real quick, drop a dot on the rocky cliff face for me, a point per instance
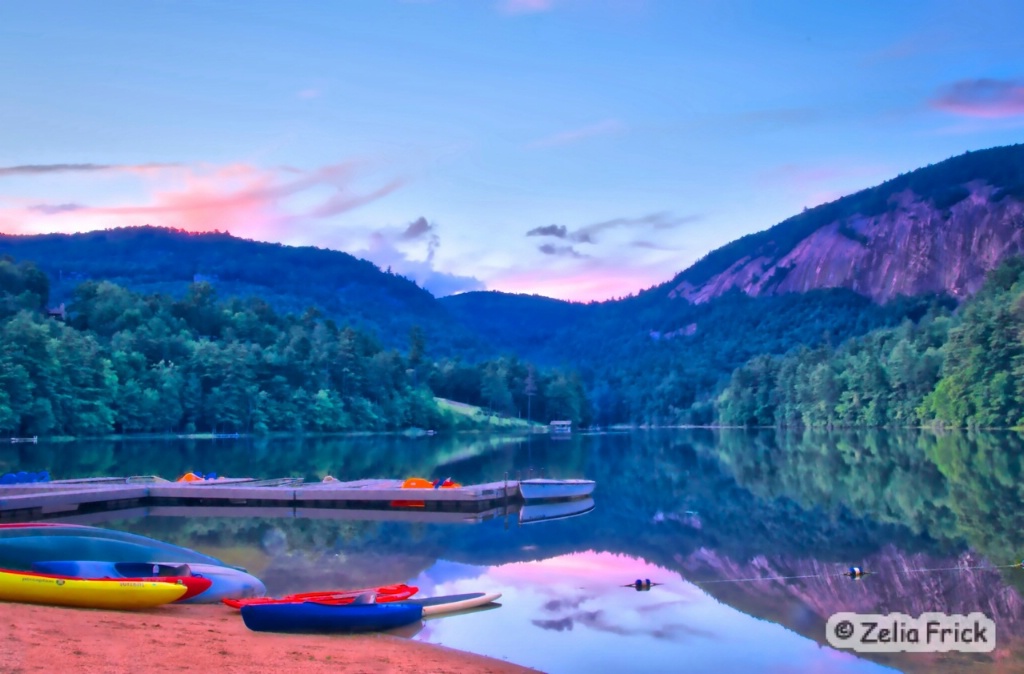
(913, 248)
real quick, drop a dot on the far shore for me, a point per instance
(207, 638)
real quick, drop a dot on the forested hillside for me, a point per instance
(955, 369)
(651, 360)
(125, 362)
(288, 278)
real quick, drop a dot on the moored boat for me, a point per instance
(544, 488)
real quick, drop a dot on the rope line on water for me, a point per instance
(856, 573)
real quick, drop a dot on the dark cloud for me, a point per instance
(562, 625)
(41, 169)
(559, 604)
(51, 209)
(416, 229)
(565, 251)
(419, 228)
(557, 231)
(588, 234)
(384, 252)
(984, 97)
(599, 621)
(342, 201)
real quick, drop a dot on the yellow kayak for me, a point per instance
(62, 591)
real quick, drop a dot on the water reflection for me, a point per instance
(573, 614)
(686, 508)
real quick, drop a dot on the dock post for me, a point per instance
(506, 500)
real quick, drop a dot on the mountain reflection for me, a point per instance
(932, 516)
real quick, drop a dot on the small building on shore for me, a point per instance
(561, 427)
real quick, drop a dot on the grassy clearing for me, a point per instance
(471, 416)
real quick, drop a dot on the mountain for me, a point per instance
(290, 278)
(938, 229)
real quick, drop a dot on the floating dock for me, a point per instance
(95, 498)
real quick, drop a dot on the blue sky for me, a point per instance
(576, 149)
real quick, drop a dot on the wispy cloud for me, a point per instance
(602, 128)
(311, 92)
(588, 233)
(525, 6)
(43, 169)
(985, 98)
(241, 198)
(51, 209)
(566, 251)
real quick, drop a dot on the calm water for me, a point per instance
(707, 515)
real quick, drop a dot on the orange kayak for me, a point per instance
(385, 594)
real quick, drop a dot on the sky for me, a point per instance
(579, 149)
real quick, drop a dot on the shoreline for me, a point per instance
(40, 639)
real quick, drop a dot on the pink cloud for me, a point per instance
(602, 128)
(247, 200)
(984, 98)
(595, 283)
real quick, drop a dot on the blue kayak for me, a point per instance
(21, 546)
(307, 617)
(226, 582)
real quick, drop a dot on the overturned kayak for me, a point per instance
(383, 595)
(225, 583)
(313, 617)
(110, 593)
(22, 545)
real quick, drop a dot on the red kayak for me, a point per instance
(385, 594)
(193, 584)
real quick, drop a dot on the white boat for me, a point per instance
(531, 513)
(543, 488)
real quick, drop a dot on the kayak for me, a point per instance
(111, 569)
(384, 594)
(22, 545)
(312, 617)
(110, 593)
(225, 583)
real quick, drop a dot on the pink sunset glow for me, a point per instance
(249, 201)
(598, 283)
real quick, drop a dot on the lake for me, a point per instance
(746, 535)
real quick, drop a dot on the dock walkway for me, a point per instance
(60, 498)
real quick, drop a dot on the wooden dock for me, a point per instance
(87, 498)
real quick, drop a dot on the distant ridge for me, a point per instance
(291, 278)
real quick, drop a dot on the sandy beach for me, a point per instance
(204, 638)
